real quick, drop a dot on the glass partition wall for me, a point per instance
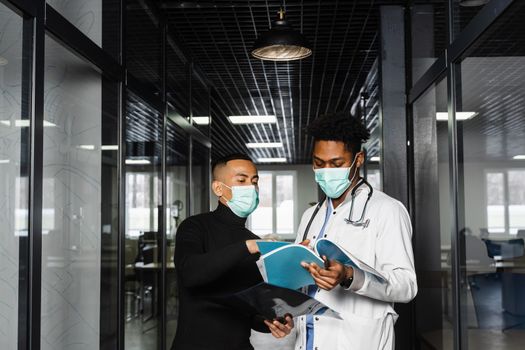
(14, 180)
(490, 114)
(468, 127)
(94, 173)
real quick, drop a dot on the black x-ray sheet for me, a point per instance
(272, 302)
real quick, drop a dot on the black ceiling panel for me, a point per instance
(219, 34)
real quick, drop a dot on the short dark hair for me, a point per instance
(220, 162)
(340, 127)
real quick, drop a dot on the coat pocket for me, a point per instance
(365, 333)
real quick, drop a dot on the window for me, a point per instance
(505, 201)
(277, 204)
(142, 212)
(373, 177)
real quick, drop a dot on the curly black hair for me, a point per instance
(340, 127)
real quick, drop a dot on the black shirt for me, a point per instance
(212, 260)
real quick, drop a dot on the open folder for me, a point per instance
(280, 262)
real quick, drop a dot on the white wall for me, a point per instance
(475, 196)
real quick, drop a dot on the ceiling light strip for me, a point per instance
(264, 145)
(271, 160)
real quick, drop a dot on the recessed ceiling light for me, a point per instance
(443, 116)
(271, 160)
(24, 123)
(519, 157)
(201, 120)
(137, 162)
(375, 159)
(87, 147)
(109, 147)
(4, 161)
(264, 145)
(252, 119)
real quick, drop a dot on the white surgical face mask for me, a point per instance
(334, 181)
(244, 201)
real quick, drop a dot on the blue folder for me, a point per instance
(280, 262)
(267, 246)
(334, 252)
(282, 266)
(326, 248)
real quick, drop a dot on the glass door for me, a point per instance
(79, 217)
(143, 241)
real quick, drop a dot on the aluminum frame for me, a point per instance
(36, 179)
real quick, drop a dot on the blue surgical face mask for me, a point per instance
(334, 181)
(244, 201)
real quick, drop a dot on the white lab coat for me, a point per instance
(367, 306)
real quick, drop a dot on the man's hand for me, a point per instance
(331, 275)
(252, 246)
(306, 243)
(278, 329)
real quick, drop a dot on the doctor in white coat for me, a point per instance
(369, 224)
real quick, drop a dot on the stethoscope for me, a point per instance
(358, 223)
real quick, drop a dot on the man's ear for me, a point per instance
(217, 188)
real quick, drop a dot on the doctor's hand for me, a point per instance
(331, 275)
(306, 243)
(278, 329)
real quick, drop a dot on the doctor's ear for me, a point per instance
(360, 159)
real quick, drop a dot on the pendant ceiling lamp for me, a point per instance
(281, 43)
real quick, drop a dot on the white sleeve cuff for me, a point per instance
(358, 281)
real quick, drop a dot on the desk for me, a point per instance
(512, 284)
(149, 277)
(151, 266)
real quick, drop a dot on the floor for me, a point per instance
(490, 327)
(139, 336)
(144, 337)
(478, 339)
